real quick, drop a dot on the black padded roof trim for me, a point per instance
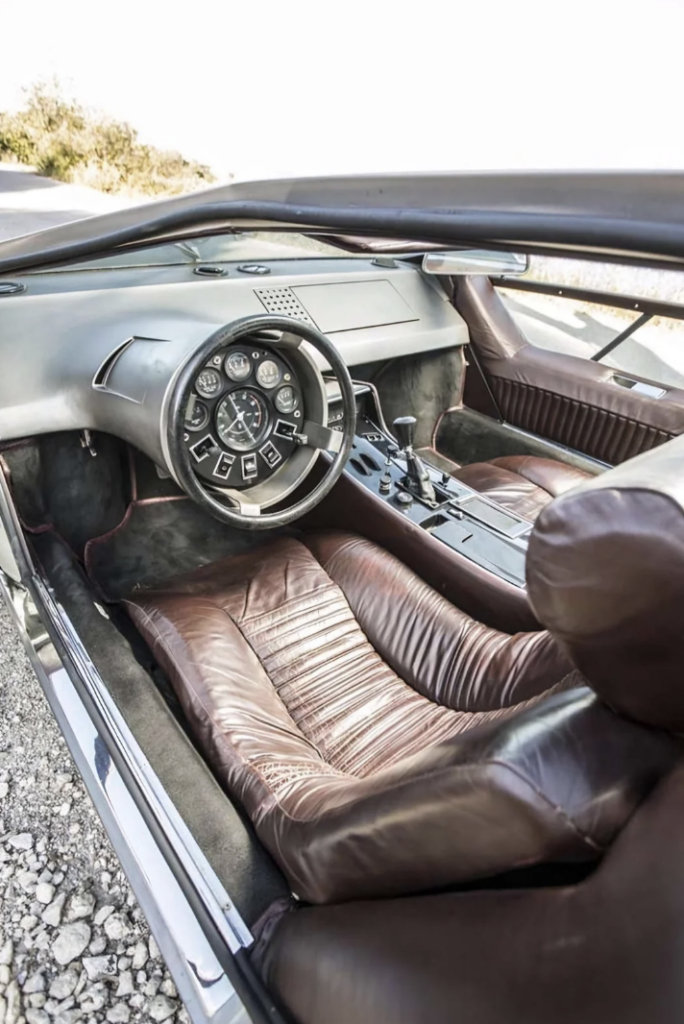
(637, 214)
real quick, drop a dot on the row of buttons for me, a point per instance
(204, 448)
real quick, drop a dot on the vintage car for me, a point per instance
(343, 521)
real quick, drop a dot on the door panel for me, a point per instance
(568, 399)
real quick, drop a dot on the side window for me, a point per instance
(632, 341)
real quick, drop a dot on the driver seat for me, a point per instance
(382, 741)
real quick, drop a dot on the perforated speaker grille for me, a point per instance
(283, 302)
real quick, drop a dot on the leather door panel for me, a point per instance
(567, 399)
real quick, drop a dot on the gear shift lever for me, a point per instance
(418, 476)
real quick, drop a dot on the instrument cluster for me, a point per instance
(242, 417)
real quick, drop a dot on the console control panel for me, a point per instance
(460, 517)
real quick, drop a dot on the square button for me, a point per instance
(270, 454)
(223, 464)
(203, 448)
(249, 466)
(285, 429)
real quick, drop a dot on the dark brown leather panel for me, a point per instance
(606, 951)
(476, 591)
(567, 399)
(493, 332)
(585, 424)
(605, 571)
(522, 483)
(358, 784)
(439, 651)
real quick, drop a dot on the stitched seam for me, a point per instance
(580, 833)
(312, 636)
(216, 728)
(288, 618)
(283, 604)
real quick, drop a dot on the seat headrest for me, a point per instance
(605, 575)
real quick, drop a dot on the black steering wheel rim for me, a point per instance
(179, 456)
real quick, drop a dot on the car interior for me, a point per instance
(392, 607)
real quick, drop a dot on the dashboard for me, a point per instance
(101, 350)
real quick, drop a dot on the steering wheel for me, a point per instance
(244, 508)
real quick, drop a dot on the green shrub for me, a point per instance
(63, 140)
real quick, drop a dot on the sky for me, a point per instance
(276, 88)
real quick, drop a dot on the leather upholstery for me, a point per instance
(478, 592)
(381, 740)
(567, 399)
(605, 951)
(524, 484)
(605, 572)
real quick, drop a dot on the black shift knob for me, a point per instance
(405, 430)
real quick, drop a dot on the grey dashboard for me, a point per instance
(98, 349)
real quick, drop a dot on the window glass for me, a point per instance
(617, 278)
(655, 352)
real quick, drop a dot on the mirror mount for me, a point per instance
(457, 263)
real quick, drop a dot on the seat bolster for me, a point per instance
(235, 713)
(440, 651)
(554, 783)
(606, 951)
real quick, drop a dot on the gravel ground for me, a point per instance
(74, 946)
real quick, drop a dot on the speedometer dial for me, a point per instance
(242, 419)
(238, 366)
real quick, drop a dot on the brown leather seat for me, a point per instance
(525, 484)
(381, 740)
(606, 575)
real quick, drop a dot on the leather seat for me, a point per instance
(605, 573)
(525, 484)
(381, 740)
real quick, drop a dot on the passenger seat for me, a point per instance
(524, 484)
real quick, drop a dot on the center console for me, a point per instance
(465, 546)
(469, 523)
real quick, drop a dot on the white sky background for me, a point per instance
(265, 88)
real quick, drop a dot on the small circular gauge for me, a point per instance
(238, 366)
(286, 399)
(198, 418)
(208, 383)
(268, 374)
(242, 419)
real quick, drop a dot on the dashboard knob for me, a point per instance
(404, 500)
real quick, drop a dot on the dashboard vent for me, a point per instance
(283, 302)
(11, 288)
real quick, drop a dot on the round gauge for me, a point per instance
(208, 383)
(238, 366)
(286, 399)
(198, 418)
(242, 419)
(268, 374)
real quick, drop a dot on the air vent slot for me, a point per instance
(209, 270)
(283, 302)
(12, 288)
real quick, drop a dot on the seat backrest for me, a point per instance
(568, 399)
(605, 574)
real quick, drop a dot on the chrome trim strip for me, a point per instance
(206, 990)
(216, 900)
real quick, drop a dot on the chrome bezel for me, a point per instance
(230, 375)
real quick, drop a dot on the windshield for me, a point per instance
(250, 247)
